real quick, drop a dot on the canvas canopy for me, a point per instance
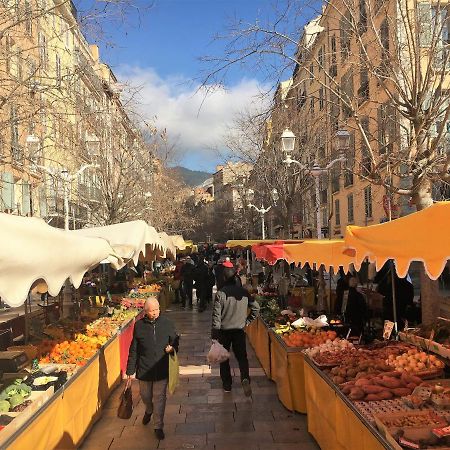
(269, 253)
(168, 244)
(179, 242)
(31, 250)
(421, 236)
(248, 243)
(129, 239)
(330, 253)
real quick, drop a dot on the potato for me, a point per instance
(390, 382)
(362, 382)
(401, 392)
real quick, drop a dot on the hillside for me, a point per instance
(190, 177)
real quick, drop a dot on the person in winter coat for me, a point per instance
(356, 310)
(229, 319)
(179, 293)
(187, 275)
(201, 277)
(154, 337)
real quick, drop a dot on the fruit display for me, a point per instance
(306, 339)
(366, 361)
(148, 289)
(68, 352)
(134, 302)
(418, 419)
(415, 361)
(330, 353)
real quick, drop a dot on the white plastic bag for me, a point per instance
(217, 353)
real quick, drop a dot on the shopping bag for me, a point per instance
(126, 402)
(217, 353)
(174, 371)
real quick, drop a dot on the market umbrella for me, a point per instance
(421, 236)
(31, 250)
(269, 253)
(129, 239)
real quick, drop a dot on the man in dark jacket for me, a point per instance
(154, 337)
(202, 282)
(230, 316)
(187, 275)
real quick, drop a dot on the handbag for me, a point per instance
(126, 402)
(174, 371)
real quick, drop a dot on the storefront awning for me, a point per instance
(421, 236)
(129, 239)
(31, 250)
(269, 253)
(169, 245)
(179, 242)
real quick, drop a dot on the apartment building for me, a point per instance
(345, 60)
(62, 111)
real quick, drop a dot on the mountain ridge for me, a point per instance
(190, 177)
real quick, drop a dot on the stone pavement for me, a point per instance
(200, 415)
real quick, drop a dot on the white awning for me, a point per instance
(31, 250)
(129, 239)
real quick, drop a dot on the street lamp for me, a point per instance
(315, 171)
(262, 211)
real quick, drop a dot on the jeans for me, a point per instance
(187, 288)
(154, 394)
(234, 339)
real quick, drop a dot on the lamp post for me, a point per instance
(262, 211)
(288, 142)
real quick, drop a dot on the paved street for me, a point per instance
(200, 415)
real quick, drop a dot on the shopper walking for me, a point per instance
(154, 337)
(178, 282)
(202, 281)
(187, 275)
(230, 316)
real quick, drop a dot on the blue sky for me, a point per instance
(158, 52)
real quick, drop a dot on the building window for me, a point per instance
(363, 91)
(311, 104)
(321, 99)
(347, 90)
(362, 25)
(350, 215)
(384, 39)
(43, 51)
(335, 178)
(301, 97)
(368, 202)
(337, 212)
(311, 72)
(333, 62)
(346, 34)
(321, 57)
(366, 161)
(28, 19)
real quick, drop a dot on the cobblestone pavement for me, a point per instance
(200, 415)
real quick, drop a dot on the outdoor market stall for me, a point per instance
(79, 362)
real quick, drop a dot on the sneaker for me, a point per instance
(146, 418)
(227, 388)
(247, 388)
(159, 433)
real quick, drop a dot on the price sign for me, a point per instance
(387, 330)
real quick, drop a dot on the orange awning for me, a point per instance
(247, 243)
(422, 236)
(326, 252)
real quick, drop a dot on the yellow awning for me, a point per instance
(326, 252)
(247, 243)
(422, 236)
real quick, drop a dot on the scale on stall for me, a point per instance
(13, 361)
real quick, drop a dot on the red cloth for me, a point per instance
(228, 264)
(269, 253)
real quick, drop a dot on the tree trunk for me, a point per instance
(429, 289)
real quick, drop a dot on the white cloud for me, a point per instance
(197, 122)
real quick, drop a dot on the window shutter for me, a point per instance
(7, 190)
(425, 20)
(26, 198)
